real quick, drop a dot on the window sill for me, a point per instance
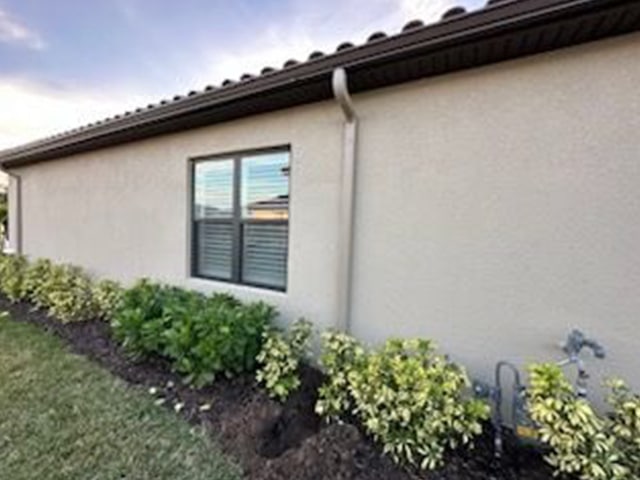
(210, 285)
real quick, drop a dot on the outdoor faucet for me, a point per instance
(577, 340)
(575, 343)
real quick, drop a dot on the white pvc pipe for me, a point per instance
(15, 209)
(347, 199)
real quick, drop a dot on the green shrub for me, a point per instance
(202, 336)
(3, 208)
(184, 314)
(138, 323)
(407, 397)
(35, 281)
(223, 337)
(67, 294)
(341, 354)
(625, 423)
(106, 298)
(12, 273)
(66, 291)
(280, 358)
(582, 443)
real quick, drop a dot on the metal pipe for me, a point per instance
(497, 398)
(347, 198)
(15, 233)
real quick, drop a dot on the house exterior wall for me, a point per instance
(123, 212)
(496, 208)
(505, 210)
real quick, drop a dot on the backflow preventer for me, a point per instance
(523, 427)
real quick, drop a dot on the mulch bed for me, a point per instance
(273, 441)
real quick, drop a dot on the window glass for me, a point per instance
(214, 244)
(214, 189)
(248, 245)
(265, 187)
(264, 253)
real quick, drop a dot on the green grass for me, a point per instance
(62, 417)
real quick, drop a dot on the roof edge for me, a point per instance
(502, 30)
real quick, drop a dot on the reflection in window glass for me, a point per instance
(265, 187)
(214, 189)
(212, 212)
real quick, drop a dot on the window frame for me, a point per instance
(236, 221)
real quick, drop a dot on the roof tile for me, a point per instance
(413, 25)
(345, 46)
(454, 12)
(376, 36)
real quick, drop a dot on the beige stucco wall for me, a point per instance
(123, 212)
(506, 208)
(496, 208)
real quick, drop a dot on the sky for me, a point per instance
(65, 63)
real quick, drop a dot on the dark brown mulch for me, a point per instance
(273, 441)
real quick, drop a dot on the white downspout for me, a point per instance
(347, 199)
(14, 224)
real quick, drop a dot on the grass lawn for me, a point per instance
(62, 417)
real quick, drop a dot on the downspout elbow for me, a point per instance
(341, 93)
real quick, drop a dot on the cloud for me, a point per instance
(31, 111)
(14, 32)
(276, 46)
(428, 11)
(307, 27)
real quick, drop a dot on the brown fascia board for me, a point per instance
(501, 31)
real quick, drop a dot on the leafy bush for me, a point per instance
(223, 337)
(67, 293)
(410, 399)
(12, 273)
(202, 336)
(625, 423)
(106, 297)
(341, 354)
(3, 208)
(35, 280)
(188, 314)
(582, 443)
(280, 358)
(138, 323)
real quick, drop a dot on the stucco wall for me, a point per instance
(496, 208)
(123, 212)
(506, 208)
